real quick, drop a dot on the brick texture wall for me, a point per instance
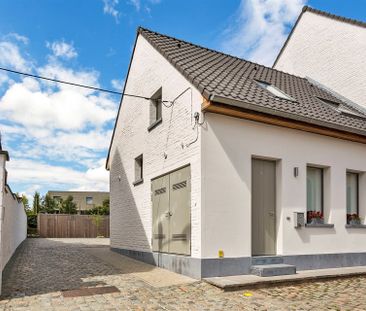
(164, 149)
(13, 220)
(329, 51)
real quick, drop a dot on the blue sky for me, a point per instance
(58, 136)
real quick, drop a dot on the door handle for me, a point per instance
(271, 213)
(168, 214)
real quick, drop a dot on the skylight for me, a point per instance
(342, 108)
(274, 90)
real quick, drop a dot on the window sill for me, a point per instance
(154, 124)
(319, 225)
(360, 226)
(138, 182)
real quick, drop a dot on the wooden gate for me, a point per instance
(72, 226)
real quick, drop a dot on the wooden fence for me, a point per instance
(72, 226)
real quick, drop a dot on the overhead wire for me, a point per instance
(94, 88)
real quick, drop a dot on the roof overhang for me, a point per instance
(256, 113)
(4, 152)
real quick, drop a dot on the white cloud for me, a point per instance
(57, 135)
(260, 28)
(62, 49)
(118, 84)
(17, 37)
(53, 176)
(64, 109)
(10, 56)
(136, 4)
(110, 8)
(4, 78)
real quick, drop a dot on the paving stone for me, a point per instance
(42, 268)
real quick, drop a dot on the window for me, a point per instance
(314, 189)
(352, 196)
(155, 109)
(274, 90)
(89, 200)
(346, 110)
(138, 170)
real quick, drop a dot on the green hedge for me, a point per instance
(32, 221)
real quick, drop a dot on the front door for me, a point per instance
(263, 207)
(171, 212)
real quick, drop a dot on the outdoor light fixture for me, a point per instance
(296, 171)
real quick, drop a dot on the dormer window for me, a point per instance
(155, 109)
(274, 90)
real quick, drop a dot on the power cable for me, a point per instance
(77, 84)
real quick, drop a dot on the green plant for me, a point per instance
(32, 221)
(36, 202)
(97, 220)
(48, 205)
(99, 210)
(68, 206)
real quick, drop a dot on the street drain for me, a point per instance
(90, 291)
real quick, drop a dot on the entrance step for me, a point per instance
(266, 260)
(273, 269)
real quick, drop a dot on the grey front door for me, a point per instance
(171, 212)
(263, 207)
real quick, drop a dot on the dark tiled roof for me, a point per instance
(336, 17)
(231, 80)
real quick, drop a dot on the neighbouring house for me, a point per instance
(329, 49)
(13, 219)
(218, 165)
(85, 200)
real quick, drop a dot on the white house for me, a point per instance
(329, 49)
(216, 162)
(13, 219)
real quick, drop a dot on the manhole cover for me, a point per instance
(90, 291)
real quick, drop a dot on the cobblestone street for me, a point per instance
(43, 268)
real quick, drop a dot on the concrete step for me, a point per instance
(266, 260)
(273, 270)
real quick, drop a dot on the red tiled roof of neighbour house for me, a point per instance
(230, 80)
(219, 76)
(322, 13)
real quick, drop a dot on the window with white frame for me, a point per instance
(315, 194)
(352, 197)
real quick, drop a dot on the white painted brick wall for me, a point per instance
(131, 208)
(13, 220)
(329, 51)
(14, 227)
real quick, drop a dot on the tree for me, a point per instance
(99, 210)
(25, 202)
(48, 204)
(36, 203)
(106, 203)
(68, 206)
